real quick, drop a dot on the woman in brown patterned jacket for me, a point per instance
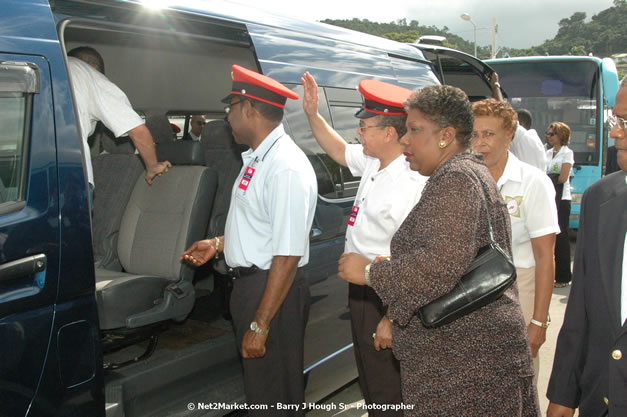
(480, 364)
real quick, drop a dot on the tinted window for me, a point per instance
(17, 83)
(345, 123)
(334, 181)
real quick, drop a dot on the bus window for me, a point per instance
(554, 92)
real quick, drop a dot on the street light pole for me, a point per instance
(466, 17)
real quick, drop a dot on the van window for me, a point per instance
(343, 104)
(345, 123)
(18, 81)
(334, 180)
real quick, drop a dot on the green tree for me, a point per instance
(410, 36)
(578, 50)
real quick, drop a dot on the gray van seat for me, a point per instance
(160, 128)
(224, 155)
(115, 175)
(160, 221)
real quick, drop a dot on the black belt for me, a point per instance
(242, 271)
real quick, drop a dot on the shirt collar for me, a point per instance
(397, 167)
(265, 145)
(513, 170)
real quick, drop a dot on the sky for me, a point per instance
(521, 24)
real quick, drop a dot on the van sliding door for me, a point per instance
(29, 230)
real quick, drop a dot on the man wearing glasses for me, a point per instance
(266, 244)
(197, 123)
(388, 191)
(590, 365)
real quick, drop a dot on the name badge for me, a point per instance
(353, 217)
(247, 178)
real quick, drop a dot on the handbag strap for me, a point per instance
(485, 205)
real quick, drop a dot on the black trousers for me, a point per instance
(562, 244)
(278, 376)
(379, 372)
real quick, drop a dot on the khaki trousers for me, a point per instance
(526, 280)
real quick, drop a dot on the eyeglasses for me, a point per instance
(613, 120)
(227, 109)
(200, 122)
(549, 134)
(362, 129)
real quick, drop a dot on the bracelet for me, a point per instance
(217, 246)
(540, 324)
(367, 274)
(497, 85)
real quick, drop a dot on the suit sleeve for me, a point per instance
(565, 384)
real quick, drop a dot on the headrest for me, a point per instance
(217, 135)
(121, 145)
(160, 128)
(181, 152)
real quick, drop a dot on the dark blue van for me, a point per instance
(97, 314)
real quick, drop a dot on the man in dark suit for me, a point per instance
(590, 365)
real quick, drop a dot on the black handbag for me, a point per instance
(489, 275)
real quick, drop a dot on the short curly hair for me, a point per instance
(562, 131)
(500, 109)
(445, 106)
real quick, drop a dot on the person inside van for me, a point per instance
(388, 191)
(197, 123)
(98, 99)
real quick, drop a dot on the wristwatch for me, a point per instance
(255, 328)
(540, 324)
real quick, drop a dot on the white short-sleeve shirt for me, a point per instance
(384, 198)
(98, 99)
(554, 166)
(530, 198)
(528, 147)
(272, 204)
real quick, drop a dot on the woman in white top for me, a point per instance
(560, 159)
(530, 200)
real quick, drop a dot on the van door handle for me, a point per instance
(23, 267)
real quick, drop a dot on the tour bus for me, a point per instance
(98, 316)
(576, 90)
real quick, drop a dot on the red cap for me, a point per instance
(381, 98)
(257, 86)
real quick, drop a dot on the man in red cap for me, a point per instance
(388, 191)
(266, 243)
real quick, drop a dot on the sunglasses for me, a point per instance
(549, 134)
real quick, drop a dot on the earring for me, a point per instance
(442, 144)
